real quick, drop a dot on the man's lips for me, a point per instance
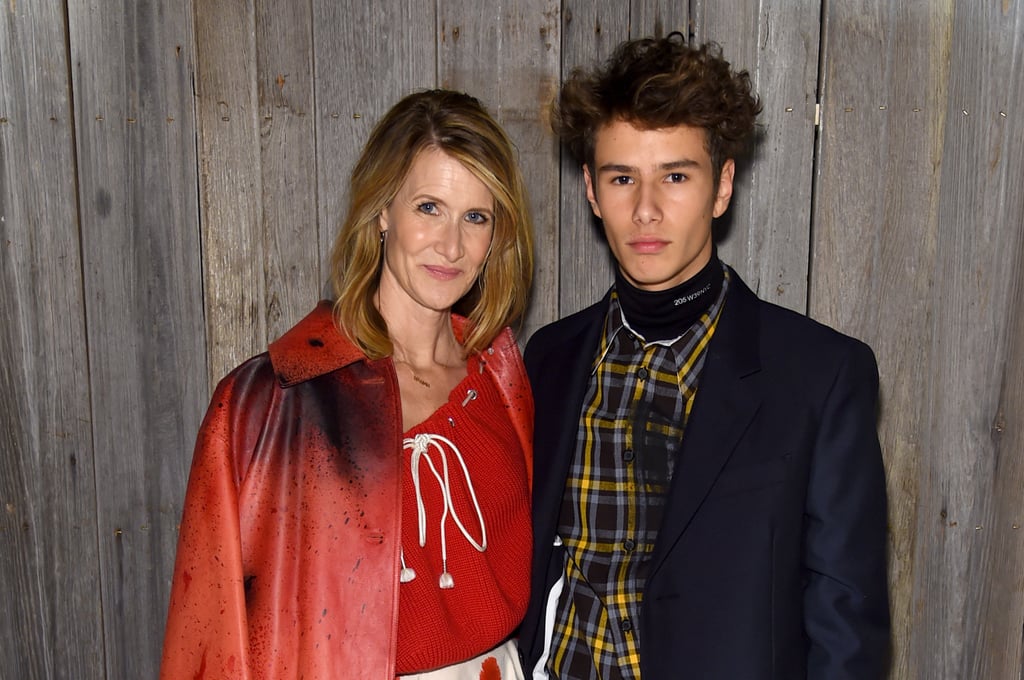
(645, 246)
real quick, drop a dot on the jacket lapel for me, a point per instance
(728, 397)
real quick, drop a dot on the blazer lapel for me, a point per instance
(728, 397)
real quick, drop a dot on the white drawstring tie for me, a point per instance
(420, 445)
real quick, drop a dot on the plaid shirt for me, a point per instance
(631, 429)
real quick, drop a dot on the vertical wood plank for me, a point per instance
(658, 18)
(981, 210)
(876, 231)
(765, 234)
(590, 32)
(284, 56)
(508, 58)
(231, 182)
(132, 75)
(258, 156)
(49, 566)
(366, 56)
(917, 249)
(996, 647)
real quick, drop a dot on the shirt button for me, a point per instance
(642, 374)
(628, 545)
(628, 455)
(626, 625)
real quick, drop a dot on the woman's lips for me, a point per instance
(442, 273)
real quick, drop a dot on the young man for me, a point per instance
(709, 497)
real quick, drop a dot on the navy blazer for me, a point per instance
(771, 560)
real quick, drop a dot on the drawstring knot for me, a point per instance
(422, 446)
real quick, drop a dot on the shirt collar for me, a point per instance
(615, 323)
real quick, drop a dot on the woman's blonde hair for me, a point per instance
(458, 125)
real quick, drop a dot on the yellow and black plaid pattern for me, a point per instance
(631, 428)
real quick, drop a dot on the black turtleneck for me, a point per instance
(667, 314)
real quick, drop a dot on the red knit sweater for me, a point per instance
(438, 627)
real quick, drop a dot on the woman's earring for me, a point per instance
(383, 235)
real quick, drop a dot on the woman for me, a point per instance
(358, 505)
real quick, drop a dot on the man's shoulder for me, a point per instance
(785, 331)
(567, 329)
(799, 330)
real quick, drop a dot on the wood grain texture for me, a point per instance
(366, 58)
(973, 604)
(917, 250)
(658, 18)
(230, 183)
(875, 240)
(507, 56)
(140, 246)
(284, 69)
(765, 234)
(590, 31)
(997, 101)
(49, 566)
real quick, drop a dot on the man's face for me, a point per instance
(655, 192)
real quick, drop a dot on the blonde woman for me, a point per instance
(358, 505)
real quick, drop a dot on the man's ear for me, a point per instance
(724, 194)
(591, 196)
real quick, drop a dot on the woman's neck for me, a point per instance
(427, 358)
(421, 337)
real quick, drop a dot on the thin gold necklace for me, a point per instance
(415, 377)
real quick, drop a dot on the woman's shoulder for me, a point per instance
(313, 347)
(503, 358)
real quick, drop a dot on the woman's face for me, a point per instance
(438, 231)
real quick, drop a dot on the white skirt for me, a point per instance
(501, 663)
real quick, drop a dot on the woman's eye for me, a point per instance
(477, 218)
(427, 207)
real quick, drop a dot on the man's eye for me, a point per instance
(427, 207)
(622, 179)
(677, 177)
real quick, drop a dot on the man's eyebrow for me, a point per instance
(671, 165)
(615, 167)
(680, 164)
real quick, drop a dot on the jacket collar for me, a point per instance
(312, 347)
(315, 346)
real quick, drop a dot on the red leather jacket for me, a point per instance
(287, 562)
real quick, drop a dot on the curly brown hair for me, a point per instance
(656, 83)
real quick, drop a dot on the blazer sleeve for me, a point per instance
(846, 607)
(206, 634)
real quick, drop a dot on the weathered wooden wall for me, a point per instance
(52, 624)
(918, 243)
(172, 174)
